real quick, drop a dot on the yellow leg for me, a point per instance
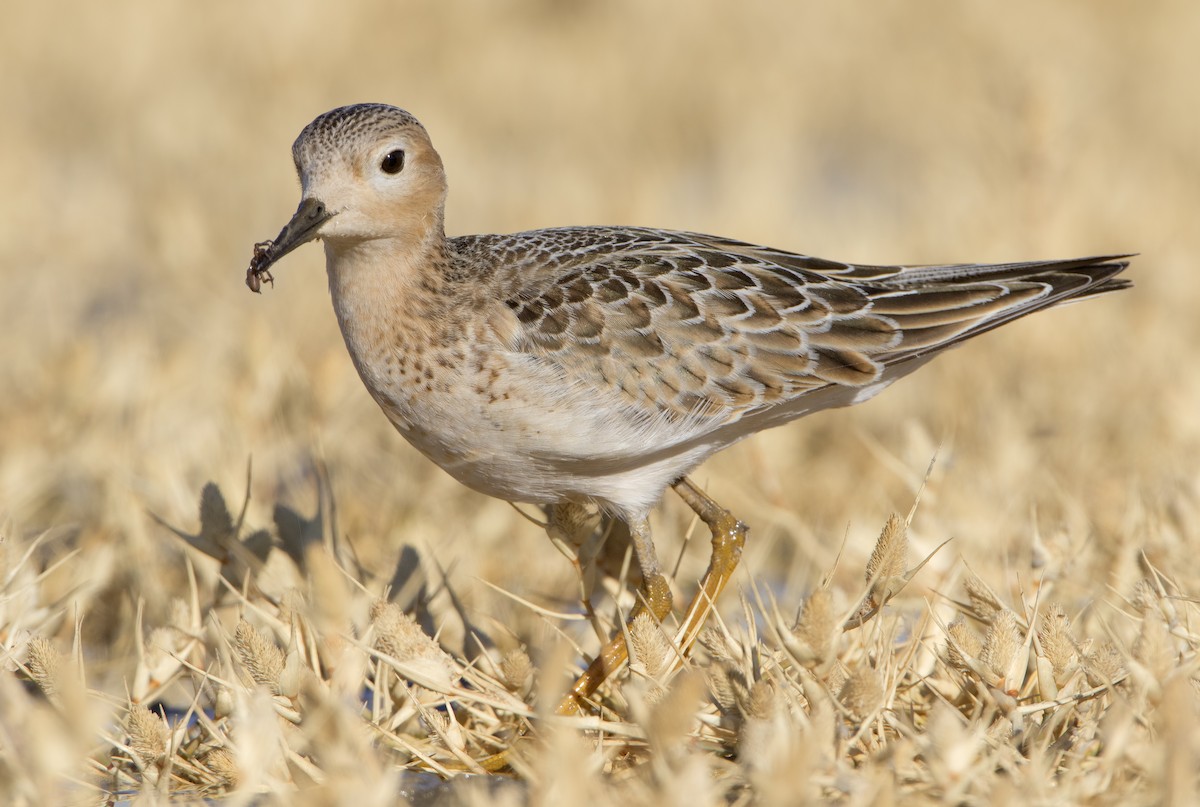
(728, 538)
(656, 598)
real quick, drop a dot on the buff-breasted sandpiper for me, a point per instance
(603, 364)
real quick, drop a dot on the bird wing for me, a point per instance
(696, 326)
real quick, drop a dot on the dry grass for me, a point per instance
(344, 628)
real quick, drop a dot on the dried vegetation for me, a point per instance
(343, 624)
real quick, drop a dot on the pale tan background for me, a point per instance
(144, 149)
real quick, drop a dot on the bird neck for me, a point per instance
(388, 293)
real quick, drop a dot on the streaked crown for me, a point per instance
(347, 125)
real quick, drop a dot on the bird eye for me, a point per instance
(393, 162)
